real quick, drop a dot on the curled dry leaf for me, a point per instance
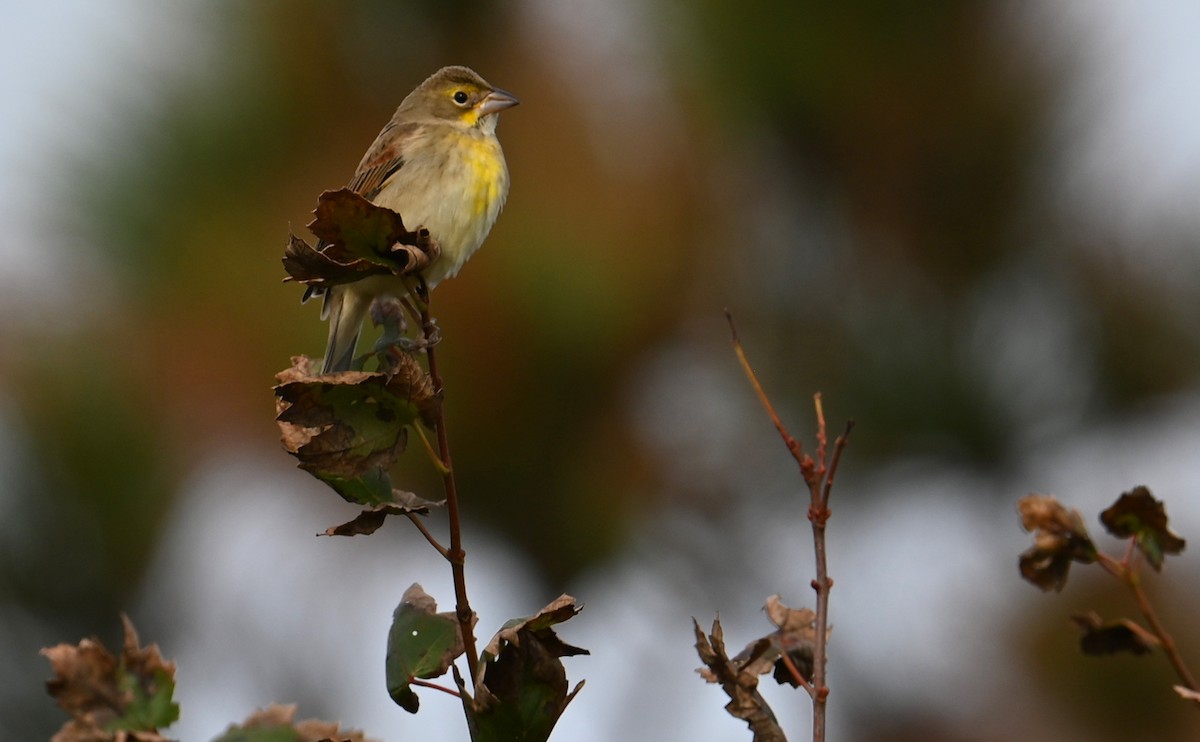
(1136, 514)
(357, 239)
(1059, 539)
(111, 698)
(1100, 638)
(796, 638)
(369, 520)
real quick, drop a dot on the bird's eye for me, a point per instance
(460, 97)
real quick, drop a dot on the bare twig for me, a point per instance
(794, 446)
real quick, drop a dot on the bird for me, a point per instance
(439, 165)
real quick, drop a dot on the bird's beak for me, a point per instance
(496, 101)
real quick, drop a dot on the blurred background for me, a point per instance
(973, 228)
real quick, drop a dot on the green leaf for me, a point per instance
(1138, 515)
(152, 710)
(372, 488)
(359, 424)
(347, 428)
(421, 644)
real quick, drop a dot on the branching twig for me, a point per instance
(1126, 571)
(416, 521)
(455, 554)
(434, 686)
(1168, 641)
(818, 476)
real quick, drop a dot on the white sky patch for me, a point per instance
(81, 64)
(1133, 119)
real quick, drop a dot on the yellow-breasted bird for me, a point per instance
(439, 165)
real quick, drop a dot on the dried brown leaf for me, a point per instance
(739, 684)
(370, 519)
(357, 239)
(1059, 539)
(1101, 638)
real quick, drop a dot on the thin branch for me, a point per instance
(416, 521)
(796, 674)
(1126, 571)
(1168, 641)
(438, 463)
(434, 686)
(818, 515)
(794, 446)
(839, 445)
(455, 554)
(818, 476)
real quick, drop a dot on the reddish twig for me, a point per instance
(795, 673)
(455, 554)
(416, 521)
(434, 686)
(818, 475)
(794, 446)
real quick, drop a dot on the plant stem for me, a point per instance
(1168, 642)
(820, 485)
(455, 554)
(1126, 571)
(416, 521)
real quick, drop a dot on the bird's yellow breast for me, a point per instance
(489, 176)
(453, 183)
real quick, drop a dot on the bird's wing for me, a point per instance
(382, 160)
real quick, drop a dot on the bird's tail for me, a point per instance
(345, 309)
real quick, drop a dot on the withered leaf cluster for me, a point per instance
(1059, 538)
(357, 239)
(346, 429)
(739, 682)
(112, 699)
(784, 652)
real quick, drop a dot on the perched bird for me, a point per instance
(439, 165)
